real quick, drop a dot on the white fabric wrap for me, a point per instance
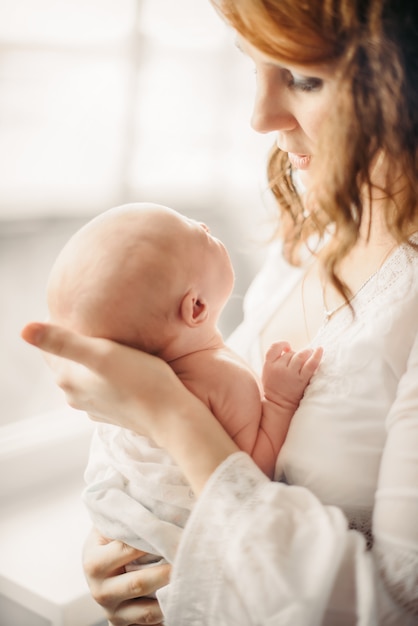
(135, 492)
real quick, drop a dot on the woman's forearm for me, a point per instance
(195, 440)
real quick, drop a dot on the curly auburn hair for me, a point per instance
(374, 46)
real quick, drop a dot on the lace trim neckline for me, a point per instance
(377, 284)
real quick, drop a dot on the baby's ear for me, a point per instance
(193, 309)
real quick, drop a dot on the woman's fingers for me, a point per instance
(146, 611)
(138, 613)
(112, 382)
(115, 590)
(64, 343)
(102, 556)
(117, 363)
(123, 596)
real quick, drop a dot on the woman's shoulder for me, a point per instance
(398, 277)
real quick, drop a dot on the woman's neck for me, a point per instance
(375, 244)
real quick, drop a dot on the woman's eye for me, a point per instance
(304, 83)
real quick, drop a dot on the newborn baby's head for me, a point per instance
(124, 275)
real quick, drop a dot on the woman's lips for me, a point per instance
(299, 161)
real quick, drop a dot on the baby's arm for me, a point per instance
(257, 421)
(285, 376)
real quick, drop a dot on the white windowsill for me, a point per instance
(43, 523)
(41, 541)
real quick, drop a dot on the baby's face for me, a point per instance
(208, 260)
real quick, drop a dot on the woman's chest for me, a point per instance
(337, 436)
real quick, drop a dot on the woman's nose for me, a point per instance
(271, 111)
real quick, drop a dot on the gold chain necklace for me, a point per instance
(329, 313)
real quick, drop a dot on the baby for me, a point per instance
(148, 277)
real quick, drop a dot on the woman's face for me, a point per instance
(292, 101)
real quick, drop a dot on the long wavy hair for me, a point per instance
(373, 44)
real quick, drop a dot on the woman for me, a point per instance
(336, 542)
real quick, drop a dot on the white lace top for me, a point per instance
(337, 544)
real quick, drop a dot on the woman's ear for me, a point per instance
(193, 309)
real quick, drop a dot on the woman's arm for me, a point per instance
(128, 388)
(106, 380)
(260, 552)
(286, 558)
(241, 516)
(395, 517)
(272, 553)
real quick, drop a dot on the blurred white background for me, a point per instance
(104, 102)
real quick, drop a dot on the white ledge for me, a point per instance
(41, 539)
(44, 523)
(42, 449)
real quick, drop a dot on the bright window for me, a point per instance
(104, 102)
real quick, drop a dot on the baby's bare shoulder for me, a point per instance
(226, 384)
(219, 370)
(226, 363)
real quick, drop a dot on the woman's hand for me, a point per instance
(111, 382)
(131, 389)
(122, 595)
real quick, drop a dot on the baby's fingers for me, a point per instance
(310, 361)
(277, 350)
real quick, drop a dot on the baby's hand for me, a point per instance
(286, 373)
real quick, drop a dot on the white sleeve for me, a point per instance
(258, 552)
(395, 519)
